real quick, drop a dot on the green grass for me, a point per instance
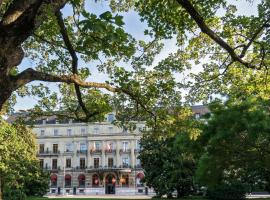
(188, 198)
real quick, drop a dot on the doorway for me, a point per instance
(110, 184)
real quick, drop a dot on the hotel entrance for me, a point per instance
(110, 184)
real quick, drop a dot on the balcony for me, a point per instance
(137, 150)
(125, 150)
(81, 151)
(110, 151)
(95, 151)
(48, 153)
(68, 153)
(138, 166)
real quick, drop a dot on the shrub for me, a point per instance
(234, 191)
(14, 194)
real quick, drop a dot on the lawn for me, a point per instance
(190, 198)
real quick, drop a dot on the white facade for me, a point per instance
(90, 158)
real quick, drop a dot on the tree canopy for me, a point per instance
(229, 49)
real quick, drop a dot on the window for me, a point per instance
(125, 146)
(67, 180)
(125, 180)
(97, 146)
(95, 180)
(125, 161)
(54, 163)
(82, 163)
(110, 117)
(55, 148)
(41, 163)
(55, 132)
(96, 162)
(96, 130)
(41, 148)
(42, 132)
(110, 129)
(53, 180)
(110, 162)
(83, 147)
(68, 163)
(69, 132)
(69, 147)
(110, 146)
(197, 116)
(138, 163)
(83, 131)
(138, 145)
(81, 179)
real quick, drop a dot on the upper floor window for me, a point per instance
(110, 162)
(111, 117)
(97, 145)
(41, 148)
(69, 147)
(96, 162)
(110, 129)
(69, 132)
(41, 163)
(42, 132)
(125, 161)
(55, 132)
(68, 163)
(138, 145)
(110, 146)
(83, 147)
(83, 131)
(125, 146)
(55, 148)
(82, 163)
(54, 163)
(96, 130)
(197, 116)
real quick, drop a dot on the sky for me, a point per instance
(133, 26)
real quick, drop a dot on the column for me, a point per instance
(118, 158)
(132, 156)
(103, 154)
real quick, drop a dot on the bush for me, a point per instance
(14, 195)
(234, 191)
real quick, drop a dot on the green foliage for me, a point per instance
(236, 142)
(234, 191)
(19, 167)
(14, 194)
(169, 146)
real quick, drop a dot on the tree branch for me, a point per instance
(195, 15)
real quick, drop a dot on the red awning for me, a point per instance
(67, 177)
(81, 177)
(54, 177)
(140, 175)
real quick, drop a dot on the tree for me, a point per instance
(58, 45)
(236, 142)
(18, 164)
(167, 156)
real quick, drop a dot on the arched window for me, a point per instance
(81, 179)
(125, 180)
(67, 180)
(54, 180)
(139, 179)
(95, 180)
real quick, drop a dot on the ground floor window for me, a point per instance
(67, 180)
(81, 179)
(95, 180)
(53, 180)
(125, 180)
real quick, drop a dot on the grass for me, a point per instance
(187, 198)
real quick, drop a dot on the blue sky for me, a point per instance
(136, 28)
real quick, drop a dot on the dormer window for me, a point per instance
(55, 132)
(69, 132)
(42, 132)
(111, 117)
(197, 116)
(83, 131)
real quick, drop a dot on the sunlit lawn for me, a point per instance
(191, 198)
